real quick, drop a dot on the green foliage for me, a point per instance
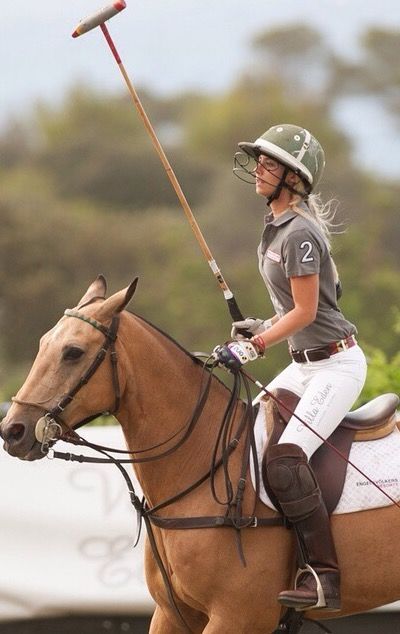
(381, 46)
(98, 150)
(383, 368)
(383, 374)
(292, 40)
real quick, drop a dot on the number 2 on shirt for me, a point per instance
(307, 246)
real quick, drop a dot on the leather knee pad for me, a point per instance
(292, 480)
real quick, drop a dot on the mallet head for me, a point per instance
(92, 21)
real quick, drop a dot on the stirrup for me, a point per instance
(321, 601)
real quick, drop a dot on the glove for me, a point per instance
(235, 354)
(251, 324)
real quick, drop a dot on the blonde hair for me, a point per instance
(320, 213)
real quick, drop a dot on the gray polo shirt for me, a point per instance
(293, 246)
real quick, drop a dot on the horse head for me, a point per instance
(58, 391)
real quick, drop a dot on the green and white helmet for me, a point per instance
(294, 147)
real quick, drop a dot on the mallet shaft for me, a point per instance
(171, 174)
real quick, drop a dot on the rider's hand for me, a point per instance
(251, 325)
(235, 354)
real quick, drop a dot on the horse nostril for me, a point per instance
(15, 432)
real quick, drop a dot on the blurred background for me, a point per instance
(82, 191)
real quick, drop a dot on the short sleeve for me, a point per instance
(301, 254)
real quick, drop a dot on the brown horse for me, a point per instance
(159, 385)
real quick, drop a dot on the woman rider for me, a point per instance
(328, 368)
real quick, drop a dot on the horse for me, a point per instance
(153, 390)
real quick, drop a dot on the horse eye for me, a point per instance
(72, 353)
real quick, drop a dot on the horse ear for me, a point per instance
(129, 293)
(97, 290)
(117, 302)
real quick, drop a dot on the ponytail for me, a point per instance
(321, 214)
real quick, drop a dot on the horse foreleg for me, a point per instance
(165, 622)
(161, 623)
(166, 619)
(243, 623)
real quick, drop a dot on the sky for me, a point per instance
(169, 46)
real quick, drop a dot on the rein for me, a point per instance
(55, 429)
(227, 447)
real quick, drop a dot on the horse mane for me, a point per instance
(191, 356)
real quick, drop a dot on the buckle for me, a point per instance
(345, 344)
(297, 355)
(300, 356)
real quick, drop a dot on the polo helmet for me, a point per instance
(293, 146)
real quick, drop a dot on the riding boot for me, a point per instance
(292, 481)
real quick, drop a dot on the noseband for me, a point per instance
(50, 426)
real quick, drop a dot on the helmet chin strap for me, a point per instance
(284, 185)
(278, 189)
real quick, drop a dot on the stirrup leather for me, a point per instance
(321, 602)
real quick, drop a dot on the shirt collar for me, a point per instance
(286, 216)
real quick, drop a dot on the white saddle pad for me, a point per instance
(378, 459)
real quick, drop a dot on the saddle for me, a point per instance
(376, 419)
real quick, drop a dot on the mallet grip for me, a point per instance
(237, 315)
(93, 21)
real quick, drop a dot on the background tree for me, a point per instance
(82, 192)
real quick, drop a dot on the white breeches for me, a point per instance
(327, 390)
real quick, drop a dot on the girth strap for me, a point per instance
(176, 523)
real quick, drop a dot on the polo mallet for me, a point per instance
(99, 19)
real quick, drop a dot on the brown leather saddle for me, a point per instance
(376, 419)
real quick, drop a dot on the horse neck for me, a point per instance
(162, 386)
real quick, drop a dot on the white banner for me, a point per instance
(66, 537)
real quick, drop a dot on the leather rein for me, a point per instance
(55, 429)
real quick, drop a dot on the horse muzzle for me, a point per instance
(19, 439)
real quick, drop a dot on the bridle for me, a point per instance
(51, 426)
(110, 337)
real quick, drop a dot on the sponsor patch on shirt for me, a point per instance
(273, 256)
